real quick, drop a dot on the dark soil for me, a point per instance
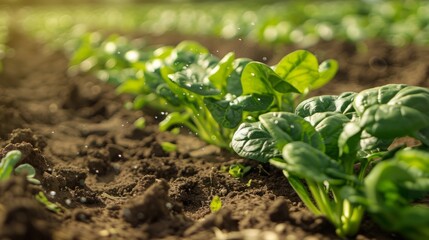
(114, 181)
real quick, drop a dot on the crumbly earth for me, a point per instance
(113, 181)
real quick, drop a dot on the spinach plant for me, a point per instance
(208, 95)
(218, 95)
(215, 204)
(41, 198)
(390, 188)
(238, 170)
(329, 144)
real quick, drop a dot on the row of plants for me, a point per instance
(300, 22)
(193, 88)
(336, 151)
(3, 35)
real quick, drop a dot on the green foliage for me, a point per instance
(391, 187)
(300, 22)
(210, 96)
(8, 163)
(4, 20)
(326, 147)
(215, 204)
(41, 197)
(140, 123)
(238, 170)
(264, 140)
(168, 146)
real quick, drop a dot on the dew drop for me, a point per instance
(53, 107)
(68, 201)
(52, 193)
(82, 199)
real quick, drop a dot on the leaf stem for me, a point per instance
(303, 194)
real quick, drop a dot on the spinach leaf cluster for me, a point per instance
(336, 153)
(208, 95)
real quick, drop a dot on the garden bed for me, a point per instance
(115, 181)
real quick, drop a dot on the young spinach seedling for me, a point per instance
(238, 170)
(8, 163)
(168, 147)
(326, 147)
(215, 204)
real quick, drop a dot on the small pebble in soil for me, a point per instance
(291, 237)
(104, 233)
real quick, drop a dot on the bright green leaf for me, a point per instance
(299, 68)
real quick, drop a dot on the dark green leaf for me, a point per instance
(287, 127)
(153, 79)
(165, 92)
(309, 163)
(254, 102)
(375, 96)
(390, 121)
(225, 113)
(330, 125)
(234, 79)
(327, 103)
(195, 80)
(348, 142)
(252, 140)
